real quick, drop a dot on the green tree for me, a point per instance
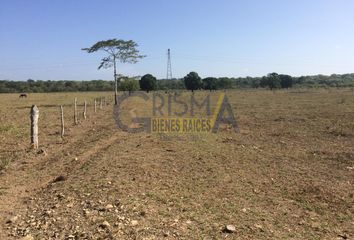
(117, 50)
(164, 84)
(286, 81)
(210, 83)
(272, 80)
(129, 85)
(192, 81)
(255, 82)
(148, 83)
(224, 83)
(264, 82)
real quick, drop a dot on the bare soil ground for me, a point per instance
(288, 174)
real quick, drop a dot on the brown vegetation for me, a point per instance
(287, 175)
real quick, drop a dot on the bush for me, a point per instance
(210, 83)
(148, 83)
(130, 85)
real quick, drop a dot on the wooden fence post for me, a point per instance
(34, 126)
(75, 112)
(95, 105)
(62, 121)
(101, 103)
(104, 101)
(85, 108)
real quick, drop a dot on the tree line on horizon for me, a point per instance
(119, 50)
(192, 81)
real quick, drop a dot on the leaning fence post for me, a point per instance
(75, 111)
(62, 121)
(95, 105)
(34, 126)
(85, 107)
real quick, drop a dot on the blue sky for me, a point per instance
(41, 39)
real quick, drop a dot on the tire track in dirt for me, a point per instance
(24, 180)
(94, 150)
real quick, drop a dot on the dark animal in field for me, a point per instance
(23, 95)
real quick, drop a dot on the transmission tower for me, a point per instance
(169, 68)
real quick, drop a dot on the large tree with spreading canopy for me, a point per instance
(117, 50)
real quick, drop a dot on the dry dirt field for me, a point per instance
(288, 173)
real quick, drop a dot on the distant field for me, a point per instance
(288, 174)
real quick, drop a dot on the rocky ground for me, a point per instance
(287, 175)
